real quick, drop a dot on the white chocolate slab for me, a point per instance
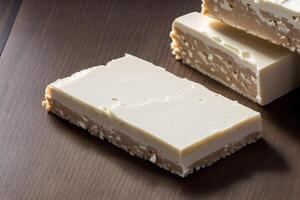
(275, 20)
(181, 121)
(273, 70)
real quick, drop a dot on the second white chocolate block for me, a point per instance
(253, 67)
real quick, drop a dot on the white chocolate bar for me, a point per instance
(151, 113)
(250, 66)
(275, 20)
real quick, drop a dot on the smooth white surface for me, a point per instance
(293, 5)
(174, 115)
(175, 110)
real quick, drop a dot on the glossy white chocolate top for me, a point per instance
(175, 110)
(293, 5)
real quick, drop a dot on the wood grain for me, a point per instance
(44, 157)
(8, 12)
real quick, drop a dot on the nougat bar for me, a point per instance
(248, 65)
(174, 123)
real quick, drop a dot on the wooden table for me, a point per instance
(8, 12)
(44, 157)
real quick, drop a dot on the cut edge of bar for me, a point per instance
(177, 48)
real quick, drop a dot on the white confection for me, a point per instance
(276, 67)
(183, 120)
(288, 9)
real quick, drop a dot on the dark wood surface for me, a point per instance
(44, 157)
(8, 12)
